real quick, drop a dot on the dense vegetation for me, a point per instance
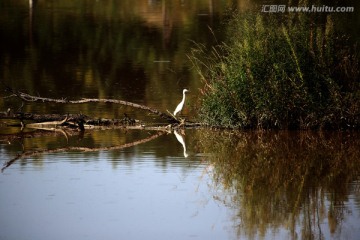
(296, 72)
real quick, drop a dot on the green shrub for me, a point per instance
(274, 75)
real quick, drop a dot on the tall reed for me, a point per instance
(289, 73)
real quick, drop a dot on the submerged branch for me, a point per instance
(74, 121)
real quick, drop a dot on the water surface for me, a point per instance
(135, 193)
(229, 185)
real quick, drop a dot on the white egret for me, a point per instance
(181, 104)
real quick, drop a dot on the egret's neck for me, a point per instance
(183, 100)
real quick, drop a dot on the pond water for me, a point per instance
(142, 192)
(209, 185)
(136, 184)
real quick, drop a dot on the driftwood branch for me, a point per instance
(28, 154)
(30, 98)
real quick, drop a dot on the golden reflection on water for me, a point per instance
(296, 181)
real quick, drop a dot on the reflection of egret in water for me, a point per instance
(181, 140)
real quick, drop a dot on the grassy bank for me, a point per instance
(291, 73)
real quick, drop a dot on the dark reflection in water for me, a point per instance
(305, 183)
(267, 185)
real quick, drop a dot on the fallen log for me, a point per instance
(41, 120)
(70, 117)
(82, 122)
(51, 122)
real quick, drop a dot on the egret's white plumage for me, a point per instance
(181, 104)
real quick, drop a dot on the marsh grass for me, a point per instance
(289, 73)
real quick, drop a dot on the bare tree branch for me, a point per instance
(30, 98)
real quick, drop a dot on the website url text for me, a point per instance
(312, 9)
